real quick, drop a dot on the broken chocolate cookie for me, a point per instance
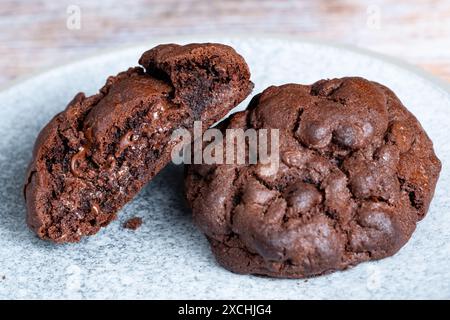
(96, 155)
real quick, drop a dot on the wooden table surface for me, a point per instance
(37, 34)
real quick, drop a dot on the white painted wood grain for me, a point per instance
(34, 34)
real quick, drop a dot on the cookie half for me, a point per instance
(95, 156)
(356, 173)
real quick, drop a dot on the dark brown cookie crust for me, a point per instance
(357, 172)
(96, 155)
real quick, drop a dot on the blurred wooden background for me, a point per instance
(36, 34)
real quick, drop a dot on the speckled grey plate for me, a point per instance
(167, 257)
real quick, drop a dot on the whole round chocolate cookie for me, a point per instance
(356, 173)
(96, 155)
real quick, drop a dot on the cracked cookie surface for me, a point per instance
(356, 173)
(97, 154)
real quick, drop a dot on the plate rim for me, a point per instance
(208, 37)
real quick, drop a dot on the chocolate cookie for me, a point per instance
(356, 173)
(96, 155)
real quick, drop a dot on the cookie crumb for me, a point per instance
(133, 223)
